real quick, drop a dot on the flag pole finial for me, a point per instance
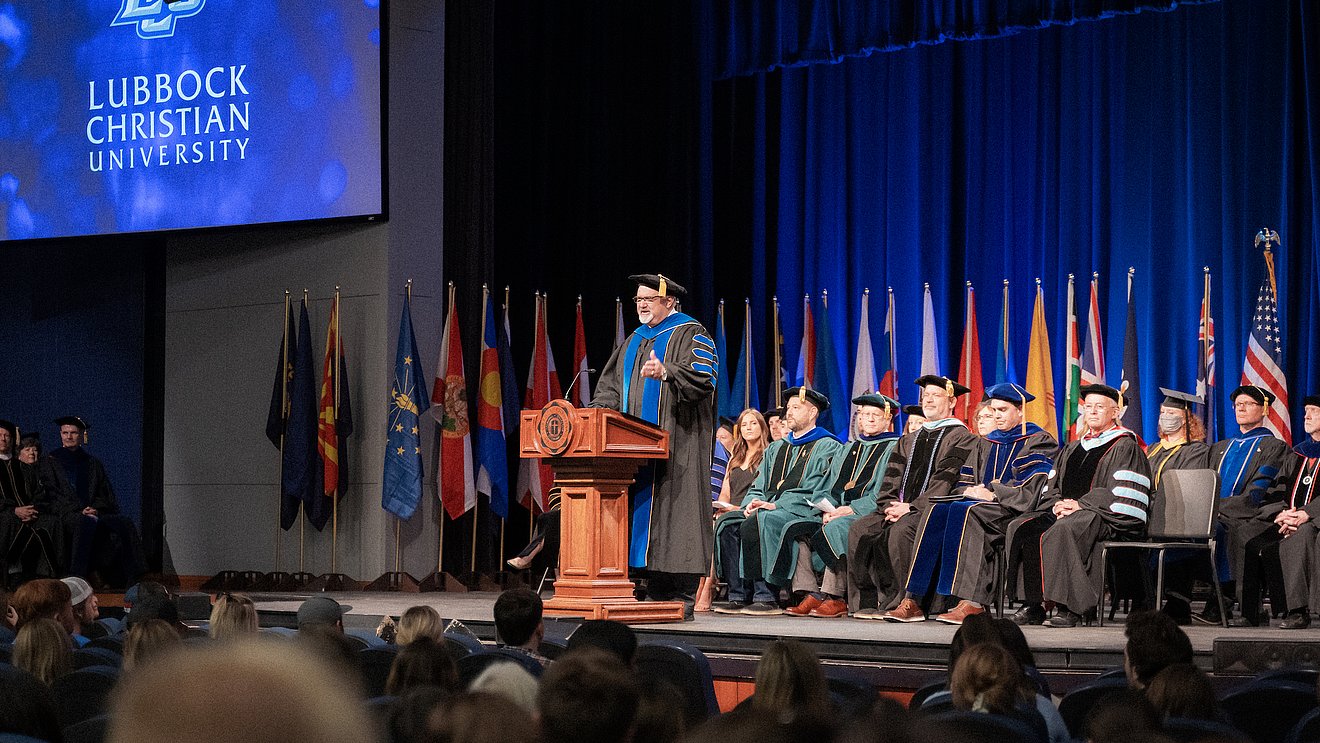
(866, 292)
(1005, 282)
(925, 285)
(1206, 269)
(1132, 270)
(969, 284)
(1095, 275)
(1070, 277)
(1037, 281)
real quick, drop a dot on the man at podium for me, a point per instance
(664, 373)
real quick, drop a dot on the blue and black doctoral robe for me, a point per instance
(1249, 468)
(955, 542)
(670, 501)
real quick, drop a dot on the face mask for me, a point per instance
(1170, 422)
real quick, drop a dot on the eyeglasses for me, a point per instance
(1244, 405)
(646, 300)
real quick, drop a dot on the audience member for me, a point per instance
(410, 714)
(481, 717)
(1125, 716)
(233, 616)
(322, 611)
(148, 639)
(1155, 641)
(509, 680)
(242, 692)
(1183, 690)
(162, 606)
(790, 686)
(518, 622)
(660, 712)
(613, 637)
(328, 642)
(26, 706)
(987, 678)
(587, 696)
(86, 608)
(43, 648)
(420, 621)
(886, 721)
(422, 662)
(44, 598)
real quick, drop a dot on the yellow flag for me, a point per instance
(1040, 372)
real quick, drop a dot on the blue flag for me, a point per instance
(301, 476)
(744, 393)
(402, 491)
(512, 393)
(1005, 369)
(829, 379)
(492, 463)
(726, 406)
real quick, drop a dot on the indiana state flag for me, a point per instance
(402, 490)
(492, 465)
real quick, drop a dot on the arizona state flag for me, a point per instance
(1040, 372)
(457, 491)
(336, 420)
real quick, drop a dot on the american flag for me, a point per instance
(1263, 366)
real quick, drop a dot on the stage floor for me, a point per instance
(893, 655)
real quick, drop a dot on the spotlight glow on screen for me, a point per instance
(136, 115)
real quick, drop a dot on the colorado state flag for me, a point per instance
(402, 491)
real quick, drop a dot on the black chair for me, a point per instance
(1112, 673)
(87, 657)
(6, 653)
(109, 643)
(1077, 703)
(376, 664)
(471, 666)
(849, 695)
(82, 694)
(1186, 730)
(1268, 710)
(1299, 675)
(688, 669)
(1307, 729)
(553, 648)
(461, 645)
(88, 731)
(920, 696)
(26, 705)
(982, 726)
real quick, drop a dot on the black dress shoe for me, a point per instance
(1296, 620)
(1244, 622)
(1064, 619)
(727, 607)
(1210, 615)
(1030, 614)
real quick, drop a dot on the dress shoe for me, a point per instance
(1064, 619)
(762, 609)
(829, 609)
(727, 607)
(957, 614)
(1296, 620)
(869, 614)
(1245, 622)
(1029, 614)
(519, 563)
(908, 611)
(803, 607)
(1210, 614)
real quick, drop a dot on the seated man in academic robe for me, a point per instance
(850, 494)
(1299, 552)
(1099, 490)
(927, 466)
(30, 530)
(955, 549)
(776, 509)
(102, 541)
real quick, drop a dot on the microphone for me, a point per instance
(573, 384)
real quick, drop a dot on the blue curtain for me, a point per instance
(757, 35)
(1159, 141)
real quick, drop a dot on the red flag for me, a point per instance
(582, 389)
(1263, 366)
(534, 476)
(969, 365)
(327, 433)
(458, 492)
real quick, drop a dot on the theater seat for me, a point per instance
(88, 731)
(376, 664)
(1286, 701)
(471, 666)
(93, 656)
(462, 645)
(1307, 729)
(1076, 703)
(1183, 730)
(688, 669)
(920, 696)
(976, 726)
(82, 694)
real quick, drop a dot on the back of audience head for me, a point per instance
(419, 621)
(1154, 641)
(518, 618)
(410, 714)
(975, 629)
(1123, 716)
(509, 680)
(1183, 690)
(987, 678)
(86, 609)
(147, 589)
(43, 648)
(587, 696)
(233, 616)
(422, 662)
(44, 598)
(248, 691)
(321, 611)
(746, 725)
(329, 643)
(885, 720)
(27, 707)
(482, 717)
(660, 712)
(147, 640)
(790, 684)
(613, 637)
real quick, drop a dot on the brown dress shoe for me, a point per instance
(803, 607)
(908, 611)
(957, 614)
(830, 608)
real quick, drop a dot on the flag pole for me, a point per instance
(334, 495)
(302, 522)
(779, 356)
(398, 524)
(506, 501)
(284, 397)
(1205, 354)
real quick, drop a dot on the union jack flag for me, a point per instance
(1263, 366)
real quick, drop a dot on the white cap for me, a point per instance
(80, 589)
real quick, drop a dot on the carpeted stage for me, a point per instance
(896, 657)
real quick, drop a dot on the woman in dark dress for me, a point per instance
(751, 436)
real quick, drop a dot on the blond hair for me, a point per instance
(233, 616)
(146, 640)
(420, 621)
(44, 649)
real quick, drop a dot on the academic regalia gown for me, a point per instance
(1299, 553)
(1110, 478)
(670, 500)
(857, 477)
(107, 543)
(927, 466)
(795, 471)
(1248, 469)
(956, 542)
(40, 540)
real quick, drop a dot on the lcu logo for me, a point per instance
(155, 19)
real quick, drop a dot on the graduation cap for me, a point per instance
(877, 400)
(1180, 400)
(769, 413)
(914, 410)
(950, 385)
(727, 422)
(1259, 394)
(661, 283)
(1009, 392)
(76, 422)
(1311, 400)
(1103, 390)
(807, 394)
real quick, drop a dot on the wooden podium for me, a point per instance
(595, 454)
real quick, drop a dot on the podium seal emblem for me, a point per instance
(556, 426)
